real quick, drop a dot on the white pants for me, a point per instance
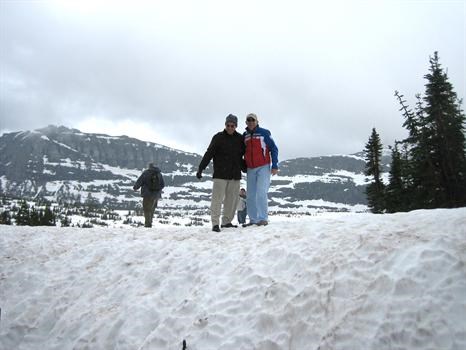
(224, 192)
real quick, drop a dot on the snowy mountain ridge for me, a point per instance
(69, 166)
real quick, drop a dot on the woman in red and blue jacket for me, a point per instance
(261, 151)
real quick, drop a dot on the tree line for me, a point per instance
(27, 215)
(428, 168)
(43, 213)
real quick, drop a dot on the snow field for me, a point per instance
(336, 281)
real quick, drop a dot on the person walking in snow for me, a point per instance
(261, 151)
(151, 184)
(242, 207)
(226, 149)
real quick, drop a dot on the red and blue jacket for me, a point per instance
(260, 148)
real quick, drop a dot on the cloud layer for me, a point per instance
(319, 76)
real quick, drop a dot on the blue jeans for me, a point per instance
(242, 216)
(258, 186)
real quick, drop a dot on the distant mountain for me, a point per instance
(335, 178)
(70, 166)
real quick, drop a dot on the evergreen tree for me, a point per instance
(375, 190)
(48, 218)
(5, 218)
(436, 163)
(65, 221)
(22, 216)
(396, 190)
(34, 217)
(414, 154)
(444, 139)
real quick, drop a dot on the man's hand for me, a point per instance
(199, 174)
(274, 172)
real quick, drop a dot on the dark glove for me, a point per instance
(199, 174)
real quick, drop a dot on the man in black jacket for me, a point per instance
(151, 184)
(227, 150)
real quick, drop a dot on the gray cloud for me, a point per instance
(319, 76)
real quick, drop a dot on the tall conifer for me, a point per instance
(444, 139)
(375, 190)
(436, 163)
(396, 189)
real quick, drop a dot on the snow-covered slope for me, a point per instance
(333, 281)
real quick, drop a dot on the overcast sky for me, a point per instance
(319, 74)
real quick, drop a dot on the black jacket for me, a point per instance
(227, 152)
(143, 183)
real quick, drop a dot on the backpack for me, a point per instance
(154, 182)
